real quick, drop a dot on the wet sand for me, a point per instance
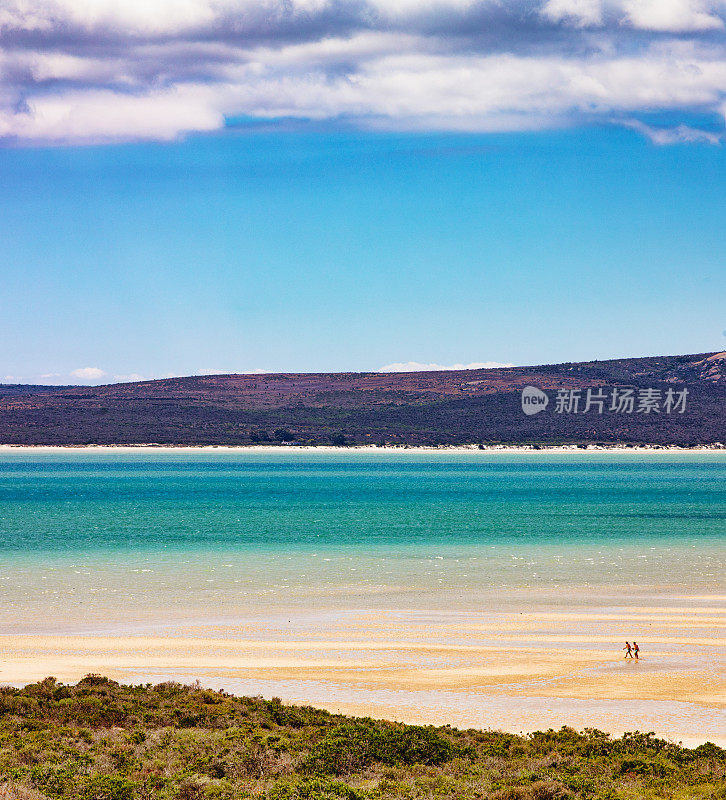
(512, 670)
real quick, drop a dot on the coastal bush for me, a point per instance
(99, 740)
(190, 789)
(707, 750)
(252, 760)
(411, 744)
(543, 790)
(342, 750)
(16, 791)
(107, 787)
(351, 747)
(284, 715)
(313, 789)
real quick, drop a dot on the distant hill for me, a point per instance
(15, 389)
(447, 407)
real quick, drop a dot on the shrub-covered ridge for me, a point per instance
(99, 740)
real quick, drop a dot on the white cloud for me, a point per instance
(680, 134)
(47, 375)
(674, 16)
(145, 18)
(422, 90)
(88, 373)
(130, 16)
(107, 71)
(582, 13)
(133, 377)
(103, 115)
(417, 366)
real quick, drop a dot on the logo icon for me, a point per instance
(534, 400)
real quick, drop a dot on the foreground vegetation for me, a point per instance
(100, 740)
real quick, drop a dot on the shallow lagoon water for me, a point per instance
(482, 589)
(87, 536)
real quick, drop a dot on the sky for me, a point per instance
(207, 186)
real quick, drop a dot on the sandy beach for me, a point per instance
(516, 670)
(369, 449)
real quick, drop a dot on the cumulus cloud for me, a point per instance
(88, 373)
(103, 115)
(674, 16)
(417, 366)
(116, 70)
(581, 13)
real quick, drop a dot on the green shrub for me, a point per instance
(641, 766)
(709, 750)
(411, 745)
(51, 779)
(107, 787)
(190, 789)
(344, 749)
(222, 790)
(92, 679)
(350, 747)
(542, 790)
(313, 789)
(284, 715)
(137, 737)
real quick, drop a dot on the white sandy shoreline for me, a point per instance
(403, 449)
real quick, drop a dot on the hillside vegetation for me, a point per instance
(99, 740)
(416, 408)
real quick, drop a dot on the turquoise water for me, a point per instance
(82, 503)
(216, 529)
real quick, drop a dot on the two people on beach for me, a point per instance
(631, 651)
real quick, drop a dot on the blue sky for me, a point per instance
(320, 185)
(330, 251)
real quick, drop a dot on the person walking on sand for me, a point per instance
(636, 649)
(628, 650)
